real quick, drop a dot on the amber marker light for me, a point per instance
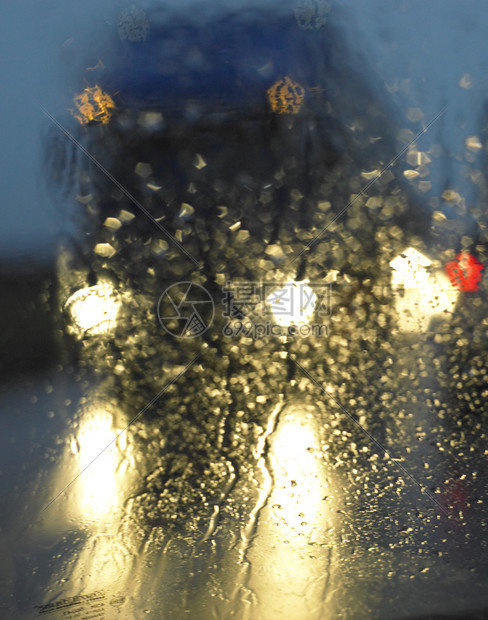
(286, 96)
(93, 105)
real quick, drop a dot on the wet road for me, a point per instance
(318, 524)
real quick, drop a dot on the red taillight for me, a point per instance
(465, 272)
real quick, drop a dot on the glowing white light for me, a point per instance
(410, 269)
(98, 464)
(419, 294)
(288, 557)
(297, 475)
(293, 304)
(94, 309)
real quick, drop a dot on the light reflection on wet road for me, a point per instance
(325, 537)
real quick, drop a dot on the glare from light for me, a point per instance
(419, 293)
(95, 476)
(410, 269)
(94, 309)
(98, 464)
(293, 304)
(296, 472)
(288, 557)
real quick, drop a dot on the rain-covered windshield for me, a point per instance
(245, 321)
